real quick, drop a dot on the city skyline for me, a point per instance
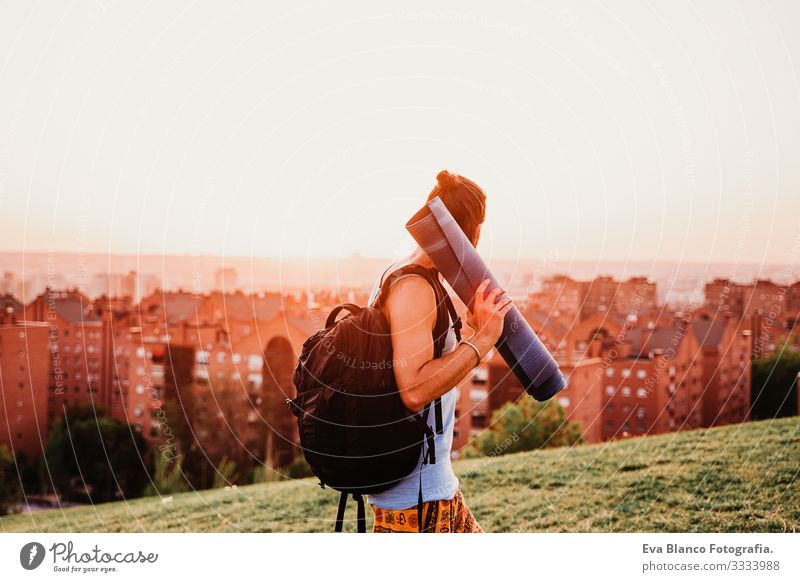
(98, 274)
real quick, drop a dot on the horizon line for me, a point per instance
(359, 256)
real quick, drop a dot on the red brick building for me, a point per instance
(560, 295)
(581, 399)
(770, 311)
(11, 308)
(24, 368)
(725, 349)
(655, 385)
(472, 407)
(249, 378)
(762, 297)
(75, 348)
(627, 378)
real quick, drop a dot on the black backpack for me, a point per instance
(355, 432)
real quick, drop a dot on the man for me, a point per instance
(411, 312)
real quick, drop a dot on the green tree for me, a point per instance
(225, 474)
(168, 477)
(97, 452)
(30, 480)
(774, 382)
(9, 488)
(524, 426)
(298, 468)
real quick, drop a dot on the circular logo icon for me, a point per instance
(31, 555)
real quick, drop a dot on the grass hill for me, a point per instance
(734, 478)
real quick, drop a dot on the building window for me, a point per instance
(478, 420)
(641, 374)
(480, 376)
(610, 372)
(626, 373)
(477, 395)
(139, 389)
(220, 357)
(564, 402)
(254, 362)
(641, 393)
(640, 412)
(626, 391)
(609, 390)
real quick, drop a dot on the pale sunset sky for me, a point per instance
(632, 130)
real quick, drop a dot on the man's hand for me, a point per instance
(487, 314)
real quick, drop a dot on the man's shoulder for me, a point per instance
(412, 291)
(412, 283)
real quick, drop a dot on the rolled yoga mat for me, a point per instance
(440, 236)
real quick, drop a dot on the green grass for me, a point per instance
(734, 478)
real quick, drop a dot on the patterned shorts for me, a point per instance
(444, 516)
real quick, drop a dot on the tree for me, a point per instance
(96, 456)
(524, 426)
(225, 473)
(168, 477)
(774, 381)
(30, 480)
(8, 480)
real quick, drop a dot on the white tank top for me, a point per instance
(438, 479)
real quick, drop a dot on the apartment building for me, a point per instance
(562, 295)
(726, 349)
(75, 348)
(24, 394)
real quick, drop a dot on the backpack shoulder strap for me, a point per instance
(440, 329)
(454, 317)
(441, 297)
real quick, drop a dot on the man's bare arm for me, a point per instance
(411, 311)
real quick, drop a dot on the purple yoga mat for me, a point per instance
(439, 235)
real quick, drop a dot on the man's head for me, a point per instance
(464, 199)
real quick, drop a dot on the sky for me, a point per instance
(627, 131)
